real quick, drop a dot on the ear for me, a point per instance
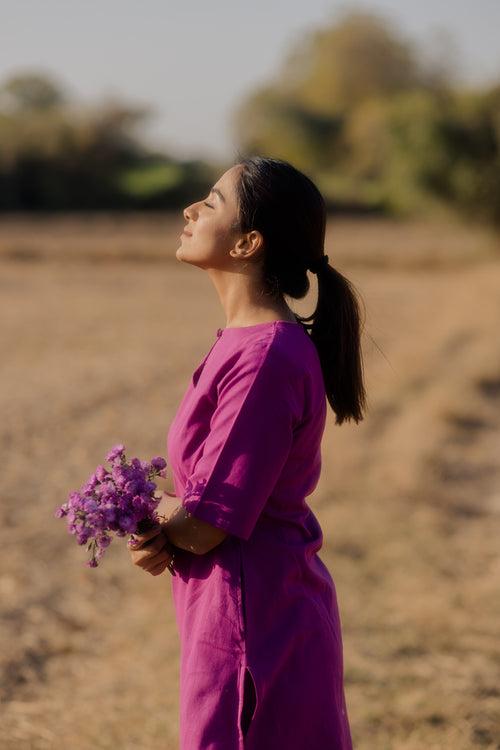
(252, 243)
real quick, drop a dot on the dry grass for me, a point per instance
(98, 346)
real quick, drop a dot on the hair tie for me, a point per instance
(316, 265)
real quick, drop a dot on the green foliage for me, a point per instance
(358, 57)
(355, 106)
(28, 92)
(281, 127)
(377, 124)
(470, 139)
(148, 179)
(59, 156)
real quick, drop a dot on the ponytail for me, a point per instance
(269, 188)
(336, 333)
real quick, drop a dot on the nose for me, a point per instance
(187, 212)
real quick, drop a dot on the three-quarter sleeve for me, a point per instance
(251, 434)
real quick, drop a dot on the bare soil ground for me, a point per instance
(101, 330)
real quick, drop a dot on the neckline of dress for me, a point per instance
(257, 326)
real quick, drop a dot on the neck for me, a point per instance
(244, 302)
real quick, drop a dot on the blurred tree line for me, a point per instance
(378, 126)
(56, 155)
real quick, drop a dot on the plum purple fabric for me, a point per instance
(244, 451)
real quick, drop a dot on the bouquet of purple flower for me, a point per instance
(119, 500)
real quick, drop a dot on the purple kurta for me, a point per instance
(244, 451)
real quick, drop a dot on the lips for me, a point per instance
(184, 231)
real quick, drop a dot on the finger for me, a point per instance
(149, 534)
(158, 568)
(157, 544)
(141, 556)
(151, 548)
(136, 541)
(151, 560)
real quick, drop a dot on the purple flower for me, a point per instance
(115, 452)
(90, 484)
(119, 501)
(89, 504)
(158, 462)
(119, 475)
(132, 486)
(74, 500)
(101, 473)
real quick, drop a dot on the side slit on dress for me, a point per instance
(249, 702)
(249, 691)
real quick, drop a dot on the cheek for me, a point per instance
(211, 232)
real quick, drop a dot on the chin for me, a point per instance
(181, 257)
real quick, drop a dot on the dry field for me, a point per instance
(101, 329)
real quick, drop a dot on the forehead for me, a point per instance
(227, 183)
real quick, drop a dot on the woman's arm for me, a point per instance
(180, 529)
(184, 530)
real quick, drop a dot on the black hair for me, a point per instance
(287, 208)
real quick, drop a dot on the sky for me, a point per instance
(193, 62)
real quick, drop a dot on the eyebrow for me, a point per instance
(218, 192)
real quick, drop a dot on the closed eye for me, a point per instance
(207, 204)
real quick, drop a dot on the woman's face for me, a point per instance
(209, 223)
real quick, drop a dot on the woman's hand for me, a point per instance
(152, 551)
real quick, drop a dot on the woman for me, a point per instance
(256, 608)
